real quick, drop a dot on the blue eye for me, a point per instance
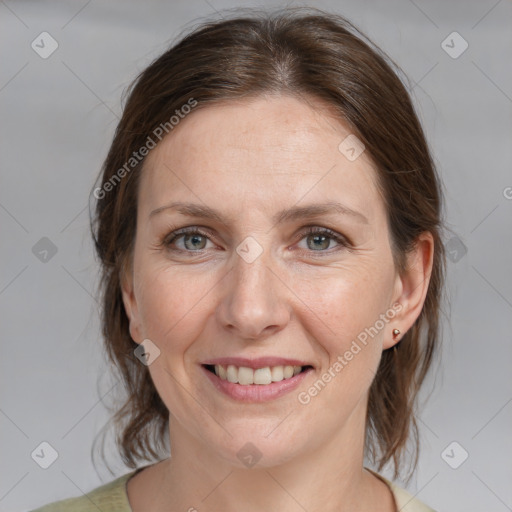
(194, 240)
(321, 238)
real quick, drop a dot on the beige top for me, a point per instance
(112, 497)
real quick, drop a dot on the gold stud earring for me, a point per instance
(396, 332)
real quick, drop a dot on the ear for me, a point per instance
(411, 288)
(130, 304)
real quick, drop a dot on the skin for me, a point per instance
(250, 159)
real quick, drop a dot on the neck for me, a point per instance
(328, 477)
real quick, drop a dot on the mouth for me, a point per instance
(246, 376)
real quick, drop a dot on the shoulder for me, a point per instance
(111, 497)
(405, 502)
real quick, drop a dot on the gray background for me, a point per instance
(58, 115)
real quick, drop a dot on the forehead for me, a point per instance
(259, 153)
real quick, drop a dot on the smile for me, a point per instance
(261, 376)
(253, 381)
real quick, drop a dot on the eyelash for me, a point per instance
(311, 230)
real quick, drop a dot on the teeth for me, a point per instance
(262, 376)
(288, 372)
(232, 373)
(277, 373)
(221, 372)
(245, 376)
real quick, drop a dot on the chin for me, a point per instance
(256, 448)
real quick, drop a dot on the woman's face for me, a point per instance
(254, 288)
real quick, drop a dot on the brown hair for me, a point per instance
(304, 52)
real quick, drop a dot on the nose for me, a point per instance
(254, 304)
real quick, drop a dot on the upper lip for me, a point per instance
(258, 362)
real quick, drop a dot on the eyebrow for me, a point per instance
(291, 214)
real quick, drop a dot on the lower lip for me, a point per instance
(256, 392)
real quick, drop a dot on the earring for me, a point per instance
(396, 332)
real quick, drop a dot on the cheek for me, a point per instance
(171, 303)
(341, 304)
(346, 316)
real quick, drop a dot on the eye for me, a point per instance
(194, 240)
(320, 239)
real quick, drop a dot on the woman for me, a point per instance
(269, 229)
